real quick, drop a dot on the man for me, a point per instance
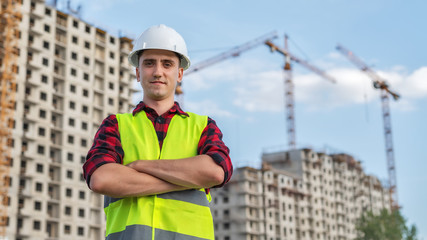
(155, 165)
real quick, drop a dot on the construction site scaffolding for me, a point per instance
(10, 17)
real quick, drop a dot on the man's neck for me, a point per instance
(161, 106)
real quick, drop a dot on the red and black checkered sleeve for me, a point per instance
(211, 144)
(106, 147)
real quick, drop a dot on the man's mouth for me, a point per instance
(157, 82)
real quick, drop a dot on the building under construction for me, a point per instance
(297, 194)
(60, 77)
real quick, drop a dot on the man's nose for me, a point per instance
(157, 70)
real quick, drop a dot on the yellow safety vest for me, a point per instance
(181, 215)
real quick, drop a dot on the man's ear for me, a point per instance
(180, 74)
(137, 74)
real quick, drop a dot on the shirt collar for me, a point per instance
(174, 109)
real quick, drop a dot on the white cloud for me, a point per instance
(195, 82)
(415, 85)
(264, 90)
(261, 92)
(230, 71)
(352, 87)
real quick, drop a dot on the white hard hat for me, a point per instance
(160, 37)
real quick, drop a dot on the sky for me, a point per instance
(245, 95)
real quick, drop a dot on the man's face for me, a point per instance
(158, 72)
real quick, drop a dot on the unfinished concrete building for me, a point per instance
(297, 194)
(70, 75)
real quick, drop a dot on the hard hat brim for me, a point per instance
(134, 61)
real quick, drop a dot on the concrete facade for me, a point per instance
(71, 76)
(299, 194)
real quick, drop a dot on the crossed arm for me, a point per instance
(143, 177)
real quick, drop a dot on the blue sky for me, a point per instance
(245, 95)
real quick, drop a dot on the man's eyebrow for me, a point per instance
(167, 60)
(161, 60)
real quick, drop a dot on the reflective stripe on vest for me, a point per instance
(138, 232)
(182, 215)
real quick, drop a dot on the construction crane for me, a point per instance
(289, 86)
(381, 84)
(234, 52)
(10, 17)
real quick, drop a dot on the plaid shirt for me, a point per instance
(107, 147)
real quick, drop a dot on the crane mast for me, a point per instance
(289, 86)
(9, 30)
(289, 99)
(382, 85)
(234, 52)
